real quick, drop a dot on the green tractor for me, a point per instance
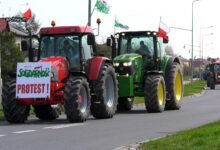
(150, 74)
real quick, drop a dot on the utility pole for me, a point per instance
(89, 13)
(192, 39)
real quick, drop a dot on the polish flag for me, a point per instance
(27, 13)
(163, 30)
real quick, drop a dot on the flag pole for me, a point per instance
(90, 13)
(160, 20)
(114, 26)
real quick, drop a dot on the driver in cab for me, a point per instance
(143, 50)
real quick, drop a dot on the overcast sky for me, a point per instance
(138, 15)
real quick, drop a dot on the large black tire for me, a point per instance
(174, 85)
(13, 112)
(154, 93)
(77, 99)
(208, 81)
(125, 104)
(105, 101)
(45, 112)
(212, 83)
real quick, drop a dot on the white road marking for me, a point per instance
(1, 135)
(24, 131)
(64, 126)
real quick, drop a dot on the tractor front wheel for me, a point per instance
(154, 93)
(105, 101)
(212, 83)
(208, 81)
(125, 104)
(77, 99)
(13, 112)
(45, 112)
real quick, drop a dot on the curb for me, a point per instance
(137, 145)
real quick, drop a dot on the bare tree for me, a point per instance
(31, 24)
(169, 50)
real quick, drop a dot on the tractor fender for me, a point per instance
(96, 64)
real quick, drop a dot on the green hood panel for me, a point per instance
(127, 57)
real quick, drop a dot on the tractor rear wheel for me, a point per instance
(45, 112)
(154, 93)
(212, 83)
(13, 112)
(105, 101)
(174, 84)
(77, 99)
(125, 104)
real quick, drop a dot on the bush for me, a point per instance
(10, 54)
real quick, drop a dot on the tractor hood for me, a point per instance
(59, 67)
(127, 57)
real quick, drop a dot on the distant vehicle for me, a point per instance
(213, 76)
(205, 72)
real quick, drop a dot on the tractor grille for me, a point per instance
(124, 70)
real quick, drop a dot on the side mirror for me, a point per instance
(24, 45)
(91, 40)
(109, 42)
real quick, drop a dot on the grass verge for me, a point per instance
(202, 138)
(1, 114)
(196, 87)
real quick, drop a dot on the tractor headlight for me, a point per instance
(54, 74)
(127, 64)
(115, 64)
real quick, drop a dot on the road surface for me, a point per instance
(124, 129)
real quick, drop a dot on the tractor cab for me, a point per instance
(75, 43)
(145, 43)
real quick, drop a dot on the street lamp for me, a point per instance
(203, 40)
(192, 40)
(200, 37)
(205, 47)
(200, 44)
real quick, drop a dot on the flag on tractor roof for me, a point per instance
(27, 14)
(102, 6)
(120, 25)
(163, 30)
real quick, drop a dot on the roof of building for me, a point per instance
(4, 25)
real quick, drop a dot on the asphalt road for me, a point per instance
(123, 129)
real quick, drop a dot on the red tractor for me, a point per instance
(213, 76)
(80, 80)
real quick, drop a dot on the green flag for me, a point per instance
(120, 25)
(102, 6)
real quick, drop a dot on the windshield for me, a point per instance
(55, 45)
(217, 67)
(61, 45)
(135, 44)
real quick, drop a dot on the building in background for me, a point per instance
(20, 35)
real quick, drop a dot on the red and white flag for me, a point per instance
(163, 30)
(27, 14)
